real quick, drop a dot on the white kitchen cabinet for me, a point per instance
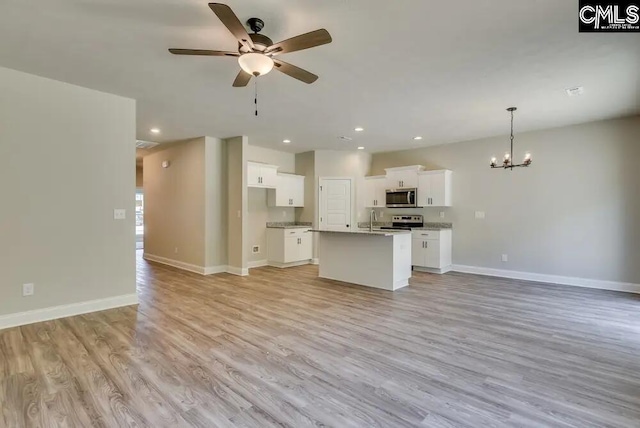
(375, 189)
(289, 247)
(261, 175)
(288, 192)
(403, 177)
(431, 250)
(434, 188)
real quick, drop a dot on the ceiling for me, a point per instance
(442, 70)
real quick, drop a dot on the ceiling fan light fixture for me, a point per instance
(255, 63)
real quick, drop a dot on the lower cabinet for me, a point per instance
(289, 247)
(431, 250)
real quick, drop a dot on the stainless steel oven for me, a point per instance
(402, 198)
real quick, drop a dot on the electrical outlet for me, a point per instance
(441, 214)
(284, 214)
(381, 214)
(28, 290)
(505, 258)
(255, 249)
(480, 215)
(175, 250)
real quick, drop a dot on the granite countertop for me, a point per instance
(434, 226)
(375, 232)
(288, 225)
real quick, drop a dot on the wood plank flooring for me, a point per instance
(284, 348)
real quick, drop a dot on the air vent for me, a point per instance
(345, 138)
(572, 92)
(145, 144)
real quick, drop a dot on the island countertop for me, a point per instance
(375, 232)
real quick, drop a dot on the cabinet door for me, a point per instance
(291, 248)
(370, 193)
(438, 189)
(424, 190)
(394, 180)
(253, 175)
(269, 176)
(432, 254)
(305, 251)
(409, 178)
(417, 252)
(380, 193)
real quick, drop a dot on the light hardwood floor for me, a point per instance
(282, 347)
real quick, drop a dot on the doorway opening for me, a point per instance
(139, 219)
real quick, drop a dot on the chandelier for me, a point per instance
(507, 160)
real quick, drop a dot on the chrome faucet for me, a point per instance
(372, 218)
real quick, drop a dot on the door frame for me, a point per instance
(320, 183)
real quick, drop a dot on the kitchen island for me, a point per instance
(379, 259)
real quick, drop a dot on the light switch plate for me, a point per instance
(119, 214)
(441, 214)
(479, 214)
(505, 258)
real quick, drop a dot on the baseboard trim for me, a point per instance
(63, 311)
(174, 263)
(551, 279)
(237, 271)
(257, 264)
(288, 265)
(433, 270)
(211, 270)
(315, 261)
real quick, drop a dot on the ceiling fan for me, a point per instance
(256, 52)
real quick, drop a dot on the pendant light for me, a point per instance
(508, 157)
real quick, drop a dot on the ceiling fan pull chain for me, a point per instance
(255, 100)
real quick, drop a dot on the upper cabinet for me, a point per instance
(288, 192)
(403, 177)
(434, 188)
(375, 191)
(262, 175)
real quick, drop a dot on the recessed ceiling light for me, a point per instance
(286, 141)
(359, 129)
(417, 138)
(360, 148)
(572, 92)
(155, 130)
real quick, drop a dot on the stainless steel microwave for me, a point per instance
(402, 198)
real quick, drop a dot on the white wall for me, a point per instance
(258, 211)
(237, 206)
(574, 212)
(68, 160)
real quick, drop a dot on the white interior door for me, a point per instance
(335, 203)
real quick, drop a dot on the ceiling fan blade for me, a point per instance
(303, 41)
(242, 79)
(295, 72)
(231, 21)
(204, 52)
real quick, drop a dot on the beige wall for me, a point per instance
(175, 202)
(259, 213)
(216, 202)
(139, 176)
(237, 212)
(305, 165)
(68, 161)
(575, 212)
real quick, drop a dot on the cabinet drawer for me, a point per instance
(295, 232)
(425, 234)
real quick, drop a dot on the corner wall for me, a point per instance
(69, 161)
